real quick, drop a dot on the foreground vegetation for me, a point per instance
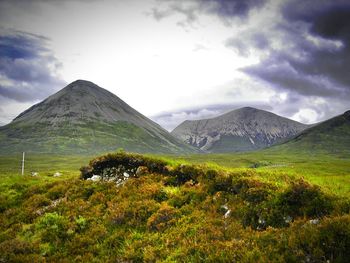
(171, 210)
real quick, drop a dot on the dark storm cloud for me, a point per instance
(230, 8)
(224, 9)
(15, 46)
(260, 41)
(316, 59)
(333, 23)
(27, 67)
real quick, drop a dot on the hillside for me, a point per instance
(84, 118)
(331, 136)
(143, 209)
(244, 129)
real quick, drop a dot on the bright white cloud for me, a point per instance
(306, 116)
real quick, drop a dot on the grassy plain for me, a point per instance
(330, 172)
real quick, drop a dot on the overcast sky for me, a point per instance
(174, 60)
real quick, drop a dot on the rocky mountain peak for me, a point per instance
(238, 130)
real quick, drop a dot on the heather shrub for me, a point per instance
(303, 199)
(163, 218)
(171, 213)
(53, 227)
(57, 191)
(299, 200)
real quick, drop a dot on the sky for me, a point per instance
(174, 60)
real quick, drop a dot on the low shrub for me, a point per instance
(303, 199)
(53, 227)
(57, 191)
(182, 173)
(299, 200)
(163, 218)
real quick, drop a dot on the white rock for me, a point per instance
(314, 221)
(261, 221)
(227, 214)
(126, 175)
(34, 174)
(224, 207)
(95, 178)
(57, 174)
(288, 219)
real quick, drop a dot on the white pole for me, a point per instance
(23, 163)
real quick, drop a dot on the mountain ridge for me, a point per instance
(243, 129)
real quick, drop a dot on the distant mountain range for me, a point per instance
(244, 129)
(84, 118)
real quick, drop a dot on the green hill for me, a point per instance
(83, 118)
(330, 137)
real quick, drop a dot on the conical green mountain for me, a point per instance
(84, 118)
(330, 137)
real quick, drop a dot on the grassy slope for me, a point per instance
(93, 137)
(329, 137)
(98, 221)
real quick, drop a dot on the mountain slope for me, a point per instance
(330, 136)
(244, 129)
(84, 118)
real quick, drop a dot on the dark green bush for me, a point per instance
(299, 200)
(221, 182)
(303, 199)
(127, 160)
(184, 173)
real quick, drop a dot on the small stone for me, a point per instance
(119, 182)
(227, 214)
(34, 174)
(314, 221)
(261, 221)
(95, 178)
(126, 175)
(224, 207)
(141, 170)
(57, 174)
(288, 219)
